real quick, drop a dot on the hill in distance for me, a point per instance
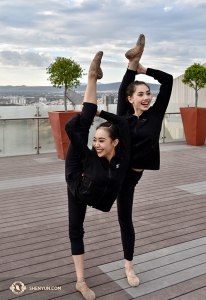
(101, 87)
(114, 87)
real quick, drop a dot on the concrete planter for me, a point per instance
(194, 123)
(58, 120)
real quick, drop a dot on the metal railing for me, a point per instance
(33, 135)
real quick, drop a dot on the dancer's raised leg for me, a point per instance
(90, 96)
(95, 72)
(133, 55)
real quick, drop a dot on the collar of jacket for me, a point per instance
(116, 156)
(130, 114)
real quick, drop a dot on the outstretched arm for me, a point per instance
(123, 105)
(166, 81)
(74, 134)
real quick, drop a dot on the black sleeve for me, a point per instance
(166, 81)
(123, 105)
(121, 122)
(74, 135)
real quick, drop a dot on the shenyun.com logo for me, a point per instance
(18, 287)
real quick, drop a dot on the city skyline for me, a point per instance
(34, 33)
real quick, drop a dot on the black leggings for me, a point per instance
(73, 170)
(125, 196)
(124, 208)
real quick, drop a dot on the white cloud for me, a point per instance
(47, 13)
(167, 8)
(191, 2)
(25, 59)
(79, 28)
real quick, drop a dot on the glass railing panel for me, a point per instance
(112, 108)
(44, 109)
(46, 140)
(162, 135)
(18, 137)
(1, 137)
(11, 112)
(173, 128)
(175, 107)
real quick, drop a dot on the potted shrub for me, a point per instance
(194, 118)
(64, 72)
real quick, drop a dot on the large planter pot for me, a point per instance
(194, 124)
(58, 120)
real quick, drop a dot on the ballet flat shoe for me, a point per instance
(95, 66)
(87, 294)
(136, 52)
(133, 280)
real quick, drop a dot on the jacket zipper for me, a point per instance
(105, 187)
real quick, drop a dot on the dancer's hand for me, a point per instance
(98, 113)
(141, 69)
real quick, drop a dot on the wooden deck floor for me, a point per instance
(169, 215)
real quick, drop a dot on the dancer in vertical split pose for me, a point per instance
(145, 122)
(93, 177)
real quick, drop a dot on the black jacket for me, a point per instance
(102, 179)
(145, 130)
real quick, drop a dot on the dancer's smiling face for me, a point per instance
(103, 144)
(140, 99)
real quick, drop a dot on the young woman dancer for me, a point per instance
(145, 122)
(93, 177)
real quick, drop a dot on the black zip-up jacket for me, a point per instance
(145, 130)
(102, 179)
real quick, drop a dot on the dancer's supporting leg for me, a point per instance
(132, 177)
(90, 96)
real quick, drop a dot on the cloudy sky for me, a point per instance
(34, 33)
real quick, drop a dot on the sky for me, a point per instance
(34, 33)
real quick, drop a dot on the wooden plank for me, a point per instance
(34, 227)
(197, 294)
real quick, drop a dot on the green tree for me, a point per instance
(195, 77)
(64, 72)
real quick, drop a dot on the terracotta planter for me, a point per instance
(58, 120)
(194, 123)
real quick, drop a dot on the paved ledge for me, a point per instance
(162, 268)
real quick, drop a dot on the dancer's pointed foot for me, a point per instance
(132, 279)
(95, 66)
(135, 53)
(85, 291)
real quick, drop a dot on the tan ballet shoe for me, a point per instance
(95, 66)
(85, 291)
(133, 280)
(135, 53)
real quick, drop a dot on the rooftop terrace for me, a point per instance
(169, 218)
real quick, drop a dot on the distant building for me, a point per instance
(42, 99)
(183, 95)
(108, 99)
(18, 100)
